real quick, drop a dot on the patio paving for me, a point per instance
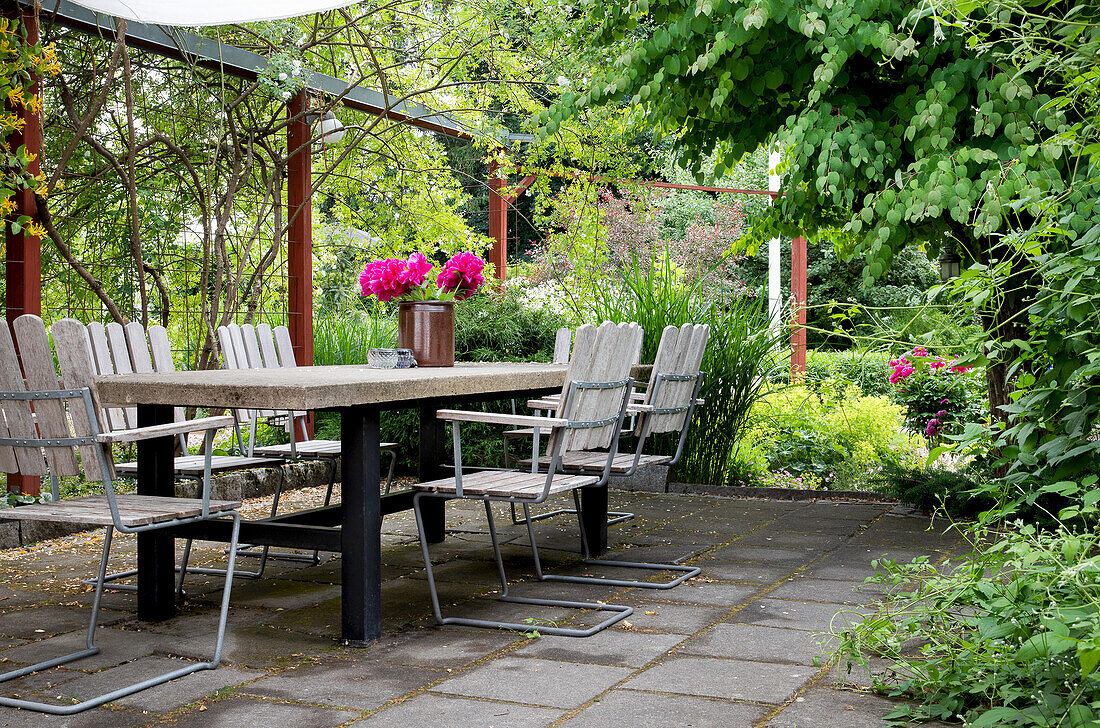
(739, 646)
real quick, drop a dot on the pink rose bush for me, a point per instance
(409, 279)
(939, 395)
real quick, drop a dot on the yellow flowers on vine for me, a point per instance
(21, 63)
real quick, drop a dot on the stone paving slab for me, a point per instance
(115, 647)
(759, 682)
(840, 708)
(611, 647)
(809, 616)
(248, 713)
(49, 620)
(351, 683)
(743, 571)
(429, 711)
(161, 698)
(759, 643)
(535, 681)
(94, 718)
(805, 589)
(666, 617)
(718, 594)
(774, 555)
(658, 710)
(446, 647)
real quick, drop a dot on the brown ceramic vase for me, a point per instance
(428, 328)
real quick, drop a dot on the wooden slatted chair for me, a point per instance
(563, 341)
(131, 349)
(593, 404)
(45, 423)
(277, 351)
(667, 406)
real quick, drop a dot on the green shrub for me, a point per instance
(869, 370)
(345, 335)
(956, 493)
(828, 430)
(500, 325)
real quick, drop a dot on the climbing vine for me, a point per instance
(20, 63)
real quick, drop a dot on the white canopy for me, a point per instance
(208, 12)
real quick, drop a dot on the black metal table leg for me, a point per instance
(430, 468)
(594, 518)
(361, 532)
(156, 550)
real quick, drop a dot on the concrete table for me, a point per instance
(353, 528)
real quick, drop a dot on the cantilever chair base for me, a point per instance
(619, 611)
(686, 572)
(92, 649)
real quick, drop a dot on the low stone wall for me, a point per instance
(231, 486)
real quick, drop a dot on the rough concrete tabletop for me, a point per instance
(326, 387)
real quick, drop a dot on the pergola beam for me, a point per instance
(217, 56)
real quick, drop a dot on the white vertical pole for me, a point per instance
(775, 292)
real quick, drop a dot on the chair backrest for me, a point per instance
(241, 350)
(563, 340)
(675, 376)
(60, 417)
(103, 360)
(600, 357)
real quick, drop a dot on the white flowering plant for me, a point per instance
(283, 77)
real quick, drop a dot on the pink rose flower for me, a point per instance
(462, 275)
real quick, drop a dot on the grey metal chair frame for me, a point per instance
(620, 612)
(105, 471)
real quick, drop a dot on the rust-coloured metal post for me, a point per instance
(299, 245)
(23, 261)
(498, 222)
(798, 294)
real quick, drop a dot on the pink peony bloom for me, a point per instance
(417, 268)
(386, 279)
(920, 351)
(937, 364)
(462, 275)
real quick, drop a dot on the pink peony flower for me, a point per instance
(937, 364)
(462, 275)
(417, 268)
(920, 351)
(386, 279)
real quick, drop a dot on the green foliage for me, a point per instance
(500, 324)
(825, 429)
(1018, 650)
(902, 126)
(344, 336)
(959, 494)
(868, 370)
(741, 353)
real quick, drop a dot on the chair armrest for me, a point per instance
(638, 409)
(546, 423)
(170, 428)
(548, 404)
